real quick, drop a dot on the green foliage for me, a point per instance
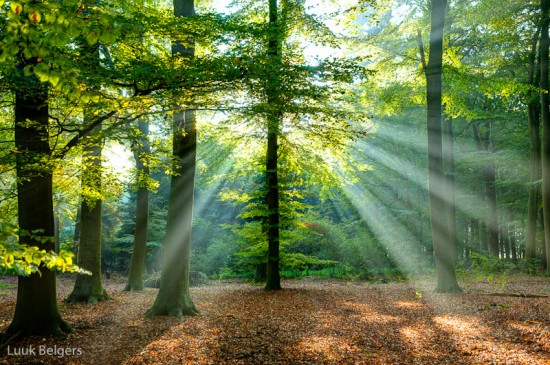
(25, 260)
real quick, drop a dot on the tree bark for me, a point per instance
(484, 143)
(273, 279)
(533, 121)
(445, 269)
(545, 119)
(173, 298)
(89, 288)
(449, 173)
(137, 264)
(36, 311)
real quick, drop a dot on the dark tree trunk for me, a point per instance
(273, 279)
(443, 247)
(36, 311)
(137, 264)
(260, 274)
(545, 119)
(89, 288)
(533, 121)
(173, 298)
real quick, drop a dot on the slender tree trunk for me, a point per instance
(533, 121)
(76, 238)
(545, 119)
(273, 123)
(443, 247)
(173, 298)
(492, 222)
(89, 288)
(137, 264)
(449, 175)
(513, 244)
(484, 143)
(36, 311)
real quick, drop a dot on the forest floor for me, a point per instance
(311, 321)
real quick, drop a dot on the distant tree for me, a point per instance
(89, 288)
(137, 264)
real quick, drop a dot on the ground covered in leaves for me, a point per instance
(311, 321)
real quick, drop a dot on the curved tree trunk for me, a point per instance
(443, 246)
(137, 264)
(36, 311)
(89, 288)
(173, 298)
(273, 279)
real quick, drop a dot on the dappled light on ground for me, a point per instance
(311, 321)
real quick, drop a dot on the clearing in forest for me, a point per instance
(311, 321)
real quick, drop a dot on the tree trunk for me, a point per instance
(36, 311)
(484, 143)
(545, 119)
(173, 298)
(445, 269)
(533, 121)
(89, 288)
(137, 264)
(76, 239)
(449, 175)
(273, 123)
(489, 174)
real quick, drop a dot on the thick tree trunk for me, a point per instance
(272, 159)
(36, 311)
(137, 264)
(545, 119)
(446, 276)
(89, 288)
(533, 121)
(173, 298)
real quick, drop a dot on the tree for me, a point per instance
(442, 243)
(545, 121)
(137, 264)
(36, 311)
(273, 278)
(173, 298)
(533, 122)
(89, 288)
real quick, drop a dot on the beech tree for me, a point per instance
(545, 122)
(89, 288)
(137, 264)
(273, 89)
(443, 244)
(173, 298)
